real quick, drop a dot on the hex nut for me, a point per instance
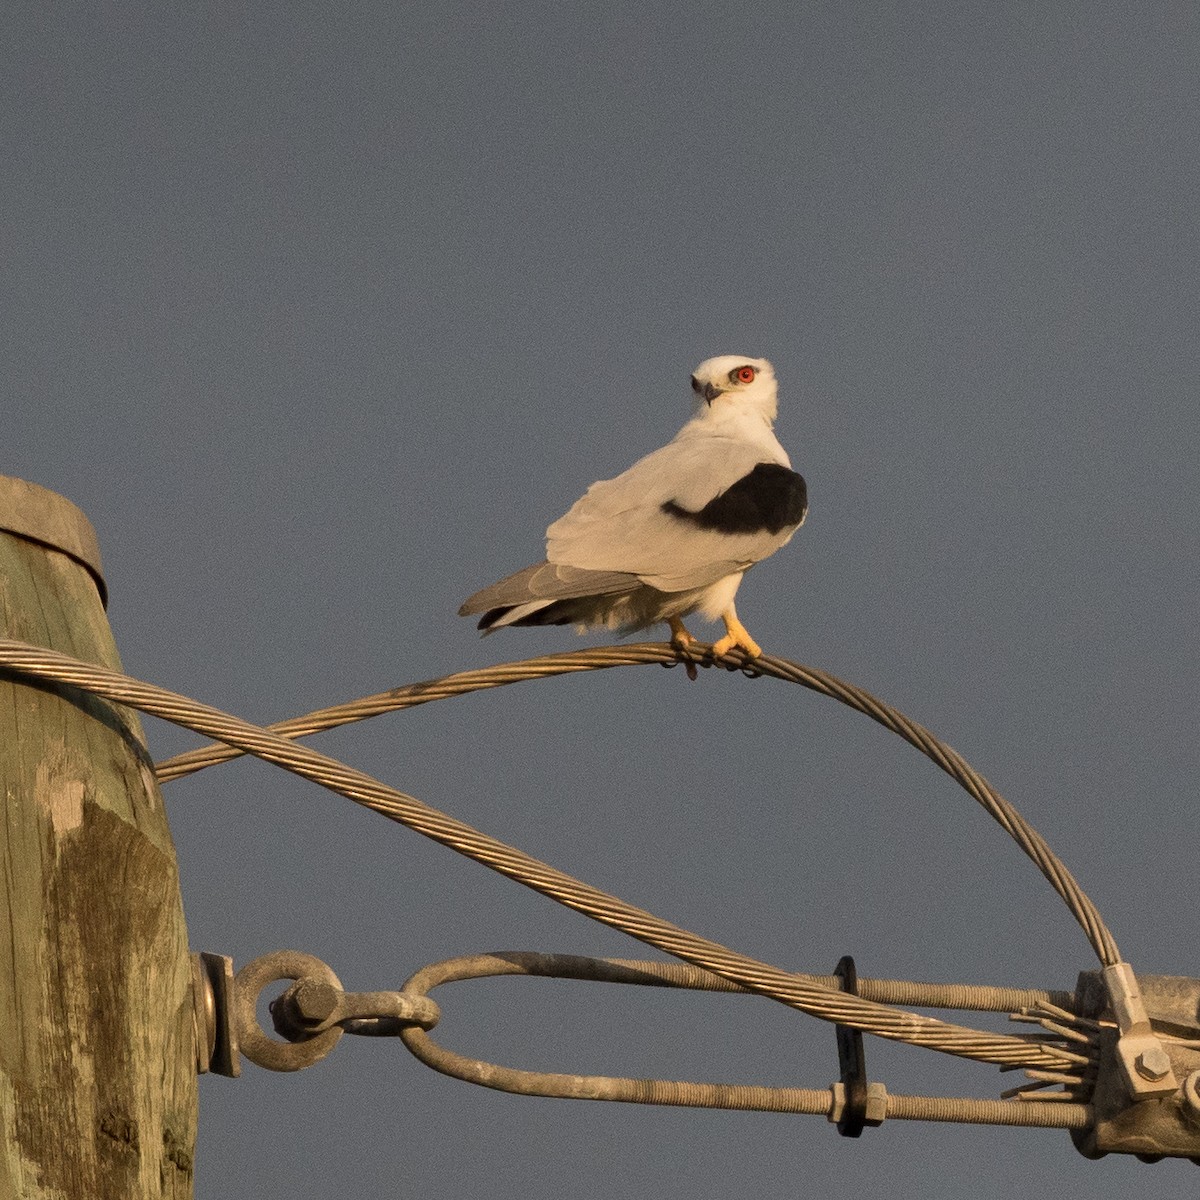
(1153, 1064)
(313, 1000)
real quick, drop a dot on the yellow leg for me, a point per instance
(735, 635)
(679, 635)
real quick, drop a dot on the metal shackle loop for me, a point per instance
(254, 1042)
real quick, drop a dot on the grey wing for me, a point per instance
(638, 523)
(547, 581)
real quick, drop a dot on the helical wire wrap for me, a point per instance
(815, 1101)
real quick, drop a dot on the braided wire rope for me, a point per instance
(794, 991)
(606, 657)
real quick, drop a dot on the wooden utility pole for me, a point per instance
(97, 1044)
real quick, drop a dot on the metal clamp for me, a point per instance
(1144, 1061)
(312, 1014)
(857, 1103)
(1136, 1021)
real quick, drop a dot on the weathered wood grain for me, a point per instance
(97, 1047)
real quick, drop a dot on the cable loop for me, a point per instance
(816, 1101)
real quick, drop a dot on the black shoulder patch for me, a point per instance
(769, 499)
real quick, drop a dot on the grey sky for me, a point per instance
(322, 313)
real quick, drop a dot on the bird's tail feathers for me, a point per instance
(538, 612)
(548, 594)
(544, 582)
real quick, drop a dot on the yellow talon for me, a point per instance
(736, 634)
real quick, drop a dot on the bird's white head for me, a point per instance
(732, 382)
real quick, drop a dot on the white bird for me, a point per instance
(676, 532)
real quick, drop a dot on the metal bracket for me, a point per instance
(856, 1102)
(1144, 1061)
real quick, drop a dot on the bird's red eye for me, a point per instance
(743, 374)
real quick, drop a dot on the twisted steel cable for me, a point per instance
(792, 990)
(605, 657)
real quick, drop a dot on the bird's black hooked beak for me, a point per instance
(710, 391)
